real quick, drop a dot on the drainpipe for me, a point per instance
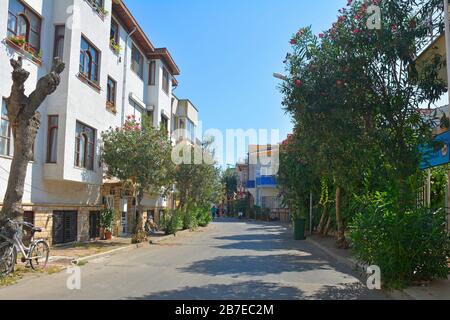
(125, 70)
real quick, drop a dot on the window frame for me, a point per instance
(113, 93)
(8, 138)
(134, 51)
(57, 38)
(49, 140)
(91, 61)
(117, 33)
(152, 73)
(89, 147)
(166, 80)
(165, 120)
(26, 13)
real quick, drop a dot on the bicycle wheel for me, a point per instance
(8, 256)
(39, 254)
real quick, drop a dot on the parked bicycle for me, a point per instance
(35, 255)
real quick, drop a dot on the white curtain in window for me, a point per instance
(53, 145)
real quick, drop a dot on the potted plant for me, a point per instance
(18, 40)
(115, 46)
(107, 222)
(299, 221)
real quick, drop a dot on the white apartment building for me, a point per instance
(112, 70)
(262, 181)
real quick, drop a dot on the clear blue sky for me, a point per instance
(227, 51)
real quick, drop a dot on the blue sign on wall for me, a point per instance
(432, 157)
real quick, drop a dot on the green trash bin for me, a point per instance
(299, 229)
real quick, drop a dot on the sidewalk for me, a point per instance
(436, 290)
(62, 257)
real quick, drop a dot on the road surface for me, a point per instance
(230, 260)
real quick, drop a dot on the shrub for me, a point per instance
(173, 222)
(107, 217)
(409, 246)
(203, 217)
(190, 220)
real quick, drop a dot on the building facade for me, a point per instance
(112, 71)
(260, 170)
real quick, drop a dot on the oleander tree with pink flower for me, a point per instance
(139, 155)
(354, 93)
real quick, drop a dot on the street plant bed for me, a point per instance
(80, 250)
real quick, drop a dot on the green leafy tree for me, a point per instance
(140, 155)
(230, 182)
(197, 184)
(354, 94)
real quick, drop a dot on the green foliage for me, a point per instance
(204, 217)
(230, 181)
(198, 184)
(107, 217)
(354, 95)
(172, 222)
(139, 155)
(407, 246)
(190, 220)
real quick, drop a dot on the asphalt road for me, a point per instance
(231, 260)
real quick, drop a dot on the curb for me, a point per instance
(168, 237)
(106, 253)
(132, 246)
(359, 267)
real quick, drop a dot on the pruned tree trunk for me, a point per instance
(328, 226)
(323, 220)
(25, 123)
(341, 241)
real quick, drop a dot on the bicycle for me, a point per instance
(36, 254)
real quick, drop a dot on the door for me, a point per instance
(124, 217)
(94, 225)
(64, 226)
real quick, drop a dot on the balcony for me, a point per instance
(266, 181)
(251, 184)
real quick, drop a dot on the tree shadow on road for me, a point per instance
(354, 291)
(259, 290)
(252, 290)
(255, 265)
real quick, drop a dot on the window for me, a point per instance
(150, 117)
(84, 146)
(164, 122)
(138, 110)
(5, 132)
(114, 33)
(52, 139)
(137, 62)
(89, 60)
(166, 81)
(23, 22)
(28, 216)
(58, 47)
(191, 130)
(96, 3)
(111, 92)
(152, 73)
